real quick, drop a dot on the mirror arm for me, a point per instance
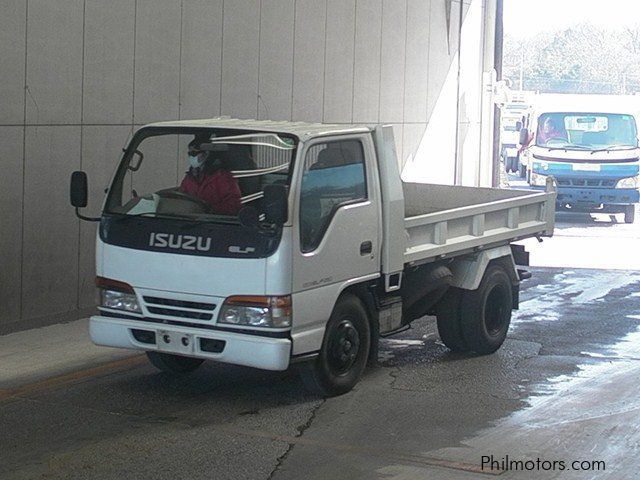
(86, 219)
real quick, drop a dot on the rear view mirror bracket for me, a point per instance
(86, 219)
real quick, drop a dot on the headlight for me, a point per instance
(117, 295)
(274, 312)
(119, 301)
(629, 182)
(538, 180)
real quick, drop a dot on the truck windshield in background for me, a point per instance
(587, 131)
(198, 174)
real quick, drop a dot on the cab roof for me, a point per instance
(302, 130)
(582, 103)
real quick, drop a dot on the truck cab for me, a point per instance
(329, 251)
(593, 156)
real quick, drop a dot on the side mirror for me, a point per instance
(276, 204)
(79, 191)
(249, 217)
(524, 136)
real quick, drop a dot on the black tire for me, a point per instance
(448, 315)
(173, 363)
(344, 352)
(629, 214)
(486, 311)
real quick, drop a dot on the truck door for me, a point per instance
(337, 233)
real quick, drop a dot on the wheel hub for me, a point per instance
(344, 347)
(496, 310)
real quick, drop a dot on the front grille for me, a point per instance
(581, 182)
(179, 303)
(179, 308)
(180, 313)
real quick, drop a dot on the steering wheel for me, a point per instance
(556, 140)
(177, 194)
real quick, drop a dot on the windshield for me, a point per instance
(586, 131)
(198, 174)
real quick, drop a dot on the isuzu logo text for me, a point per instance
(179, 242)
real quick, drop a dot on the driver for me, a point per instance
(552, 128)
(209, 181)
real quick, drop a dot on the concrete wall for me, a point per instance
(79, 76)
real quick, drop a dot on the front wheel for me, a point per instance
(486, 311)
(173, 363)
(629, 214)
(344, 352)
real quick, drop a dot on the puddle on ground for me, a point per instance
(567, 288)
(622, 356)
(389, 346)
(590, 414)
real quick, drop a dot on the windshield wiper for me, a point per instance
(614, 147)
(197, 222)
(125, 216)
(186, 221)
(568, 147)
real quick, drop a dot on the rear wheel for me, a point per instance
(344, 352)
(448, 313)
(173, 363)
(486, 311)
(629, 214)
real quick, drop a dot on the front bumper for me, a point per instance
(239, 349)
(593, 198)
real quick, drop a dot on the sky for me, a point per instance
(524, 18)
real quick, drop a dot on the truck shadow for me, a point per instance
(587, 220)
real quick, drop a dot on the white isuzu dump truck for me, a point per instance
(329, 251)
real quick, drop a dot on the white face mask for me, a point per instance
(195, 162)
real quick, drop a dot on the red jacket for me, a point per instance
(219, 189)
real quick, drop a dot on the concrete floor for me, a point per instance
(563, 388)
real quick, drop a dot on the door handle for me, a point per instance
(366, 247)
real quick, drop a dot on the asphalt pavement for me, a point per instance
(562, 389)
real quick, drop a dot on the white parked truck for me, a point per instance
(329, 252)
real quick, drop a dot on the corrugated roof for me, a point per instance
(302, 130)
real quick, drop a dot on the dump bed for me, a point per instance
(444, 220)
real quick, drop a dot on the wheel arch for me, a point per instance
(468, 272)
(365, 293)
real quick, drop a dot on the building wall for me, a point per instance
(86, 73)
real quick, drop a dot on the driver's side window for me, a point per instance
(334, 175)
